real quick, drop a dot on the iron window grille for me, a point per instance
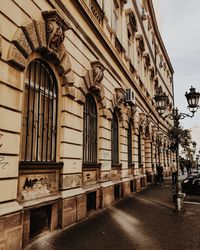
(114, 140)
(90, 131)
(129, 145)
(139, 150)
(40, 114)
(164, 154)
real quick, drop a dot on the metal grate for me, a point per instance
(129, 144)
(114, 139)
(139, 149)
(40, 114)
(90, 131)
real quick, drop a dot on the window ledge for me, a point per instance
(91, 165)
(116, 165)
(40, 165)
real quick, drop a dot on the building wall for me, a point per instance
(94, 59)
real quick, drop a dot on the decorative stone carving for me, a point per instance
(147, 62)
(47, 38)
(55, 28)
(91, 82)
(140, 43)
(152, 72)
(156, 81)
(119, 97)
(131, 112)
(159, 90)
(131, 21)
(55, 35)
(98, 73)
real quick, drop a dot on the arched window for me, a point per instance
(129, 144)
(114, 140)
(40, 114)
(90, 131)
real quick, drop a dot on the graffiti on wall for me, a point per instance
(3, 162)
(36, 187)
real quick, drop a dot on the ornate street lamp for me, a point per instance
(197, 161)
(161, 101)
(161, 105)
(193, 100)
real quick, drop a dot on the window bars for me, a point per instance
(114, 140)
(129, 145)
(90, 131)
(40, 114)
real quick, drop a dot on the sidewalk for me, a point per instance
(143, 221)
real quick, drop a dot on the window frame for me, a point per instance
(39, 146)
(139, 150)
(129, 144)
(115, 139)
(90, 142)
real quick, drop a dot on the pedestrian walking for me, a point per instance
(188, 167)
(159, 170)
(182, 165)
(174, 172)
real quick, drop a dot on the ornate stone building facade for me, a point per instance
(79, 127)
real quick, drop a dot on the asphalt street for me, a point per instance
(143, 221)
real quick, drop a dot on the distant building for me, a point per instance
(195, 132)
(79, 127)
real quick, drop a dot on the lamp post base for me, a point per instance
(179, 209)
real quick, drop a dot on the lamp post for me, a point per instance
(161, 105)
(197, 161)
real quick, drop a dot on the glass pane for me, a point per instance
(90, 131)
(40, 113)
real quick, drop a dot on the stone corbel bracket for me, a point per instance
(131, 113)
(140, 43)
(91, 82)
(55, 33)
(117, 103)
(142, 122)
(119, 97)
(147, 59)
(46, 37)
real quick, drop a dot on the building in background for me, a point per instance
(195, 133)
(79, 127)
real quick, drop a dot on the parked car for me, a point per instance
(191, 185)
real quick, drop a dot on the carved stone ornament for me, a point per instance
(133, 110)
(152, 73)
(119, 96)
(140, 43)
(55, 28)
(132, 21)
(159, 90)
(147, 62)
(98, 73)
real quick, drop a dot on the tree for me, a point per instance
(182, 137)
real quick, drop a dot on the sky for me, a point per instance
(180, 30)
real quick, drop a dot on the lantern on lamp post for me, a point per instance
(161, 100)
